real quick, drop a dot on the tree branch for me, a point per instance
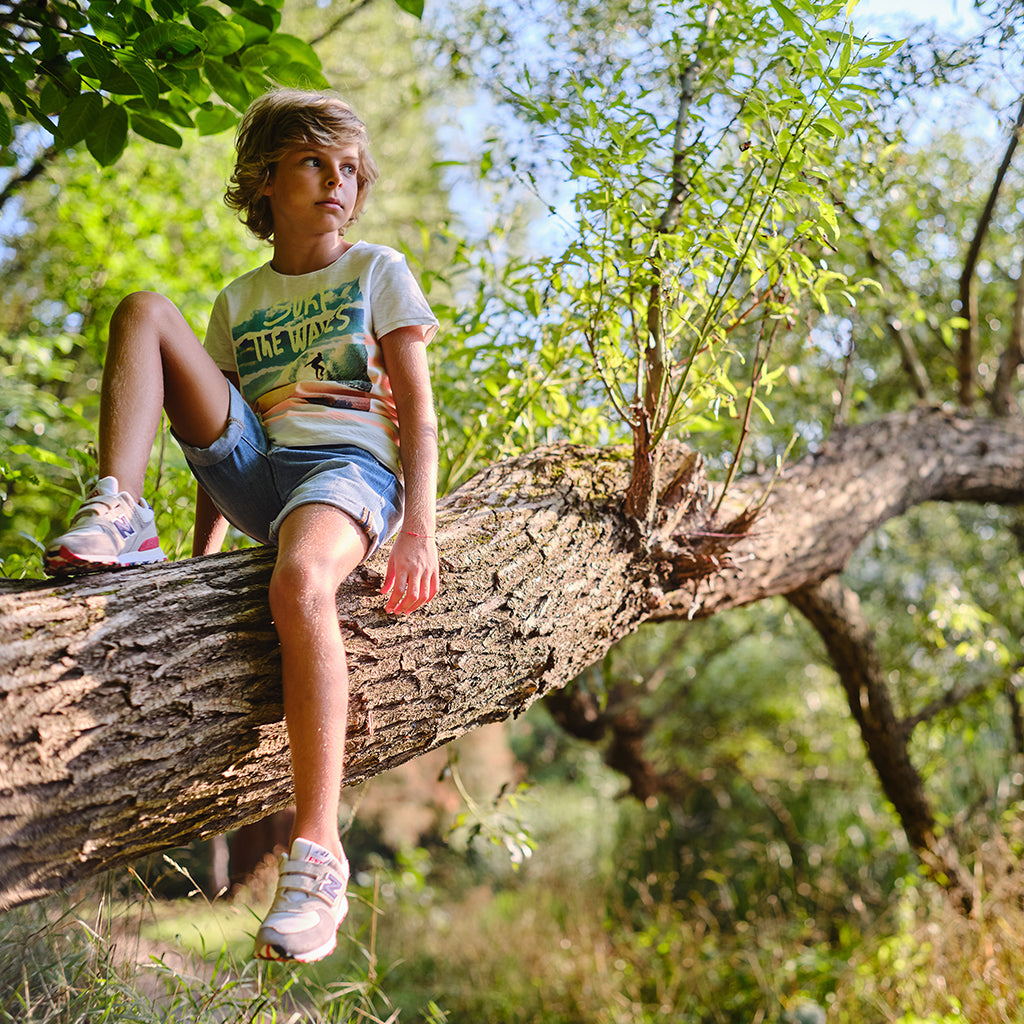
(950, 699)
(650, 409)
(835, 613)
(142, 709)
(967, 360)
(911, 361)
(21, 180)
(349, 12)
(1001, 401)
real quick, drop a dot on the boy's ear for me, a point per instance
(268, 189)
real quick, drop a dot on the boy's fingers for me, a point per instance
(408, 597)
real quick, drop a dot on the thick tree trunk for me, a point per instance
(142, 709)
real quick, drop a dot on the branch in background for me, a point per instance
(1011, 689)
(908, 355)
(760, 361)
(1001, 399)
(581, 714)
(842, 406)
(339, 21)
(912, 363)
(20, 181)
(950, 699)
(835, 613)
(967, 361)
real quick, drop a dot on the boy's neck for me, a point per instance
(308, 256)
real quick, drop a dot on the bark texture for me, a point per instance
(142, 709)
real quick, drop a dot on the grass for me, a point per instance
(571, 936)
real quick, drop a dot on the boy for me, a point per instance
(327, 344)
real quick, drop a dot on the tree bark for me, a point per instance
(142, 709)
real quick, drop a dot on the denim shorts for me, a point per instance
(255, 484)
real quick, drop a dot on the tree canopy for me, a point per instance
(98, 73)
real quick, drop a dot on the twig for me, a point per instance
(339, 21)
(760, 359)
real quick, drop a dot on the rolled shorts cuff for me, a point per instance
(228, 440)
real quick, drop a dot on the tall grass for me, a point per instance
(571, 937)
(104, 959)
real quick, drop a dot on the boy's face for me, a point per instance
(313, 189)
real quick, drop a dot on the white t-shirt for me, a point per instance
(305, 347)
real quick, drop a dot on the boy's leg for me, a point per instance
(318, 546)
(154, 362)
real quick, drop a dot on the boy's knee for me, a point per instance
(298, 587)
(144, 305)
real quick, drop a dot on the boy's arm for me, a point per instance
(412, 576)
(210, 526)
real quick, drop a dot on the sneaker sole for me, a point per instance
(65, 562)
(268, 951)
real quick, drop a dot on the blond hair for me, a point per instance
(281, 120)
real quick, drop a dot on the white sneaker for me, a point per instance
(309, 905)
(110, 530)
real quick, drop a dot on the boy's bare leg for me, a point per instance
(318, 546)
(155, 361)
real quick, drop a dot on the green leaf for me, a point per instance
(169, 112)
(259, 24)
(155, 130)
(164, 39)
(213, 119)
(6, 131)
(789, 19)
(295, 50)
(78, 118)
(98, 58)
(413, 7)
(228, 83)
(297, 76)
(49, 42)
(144, 77)
(109, 135)
(53, 97)
(224, 37)
(829, 128)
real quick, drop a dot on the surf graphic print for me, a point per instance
(318, 338)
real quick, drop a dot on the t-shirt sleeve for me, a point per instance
(219, 342)
(396, 299)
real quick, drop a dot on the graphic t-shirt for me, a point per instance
(305, 347)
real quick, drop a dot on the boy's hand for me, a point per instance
(412, 576)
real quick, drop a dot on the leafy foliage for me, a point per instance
(688, 161)
(99, 72)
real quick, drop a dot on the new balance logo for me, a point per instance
(331, 886)
(124, 527)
